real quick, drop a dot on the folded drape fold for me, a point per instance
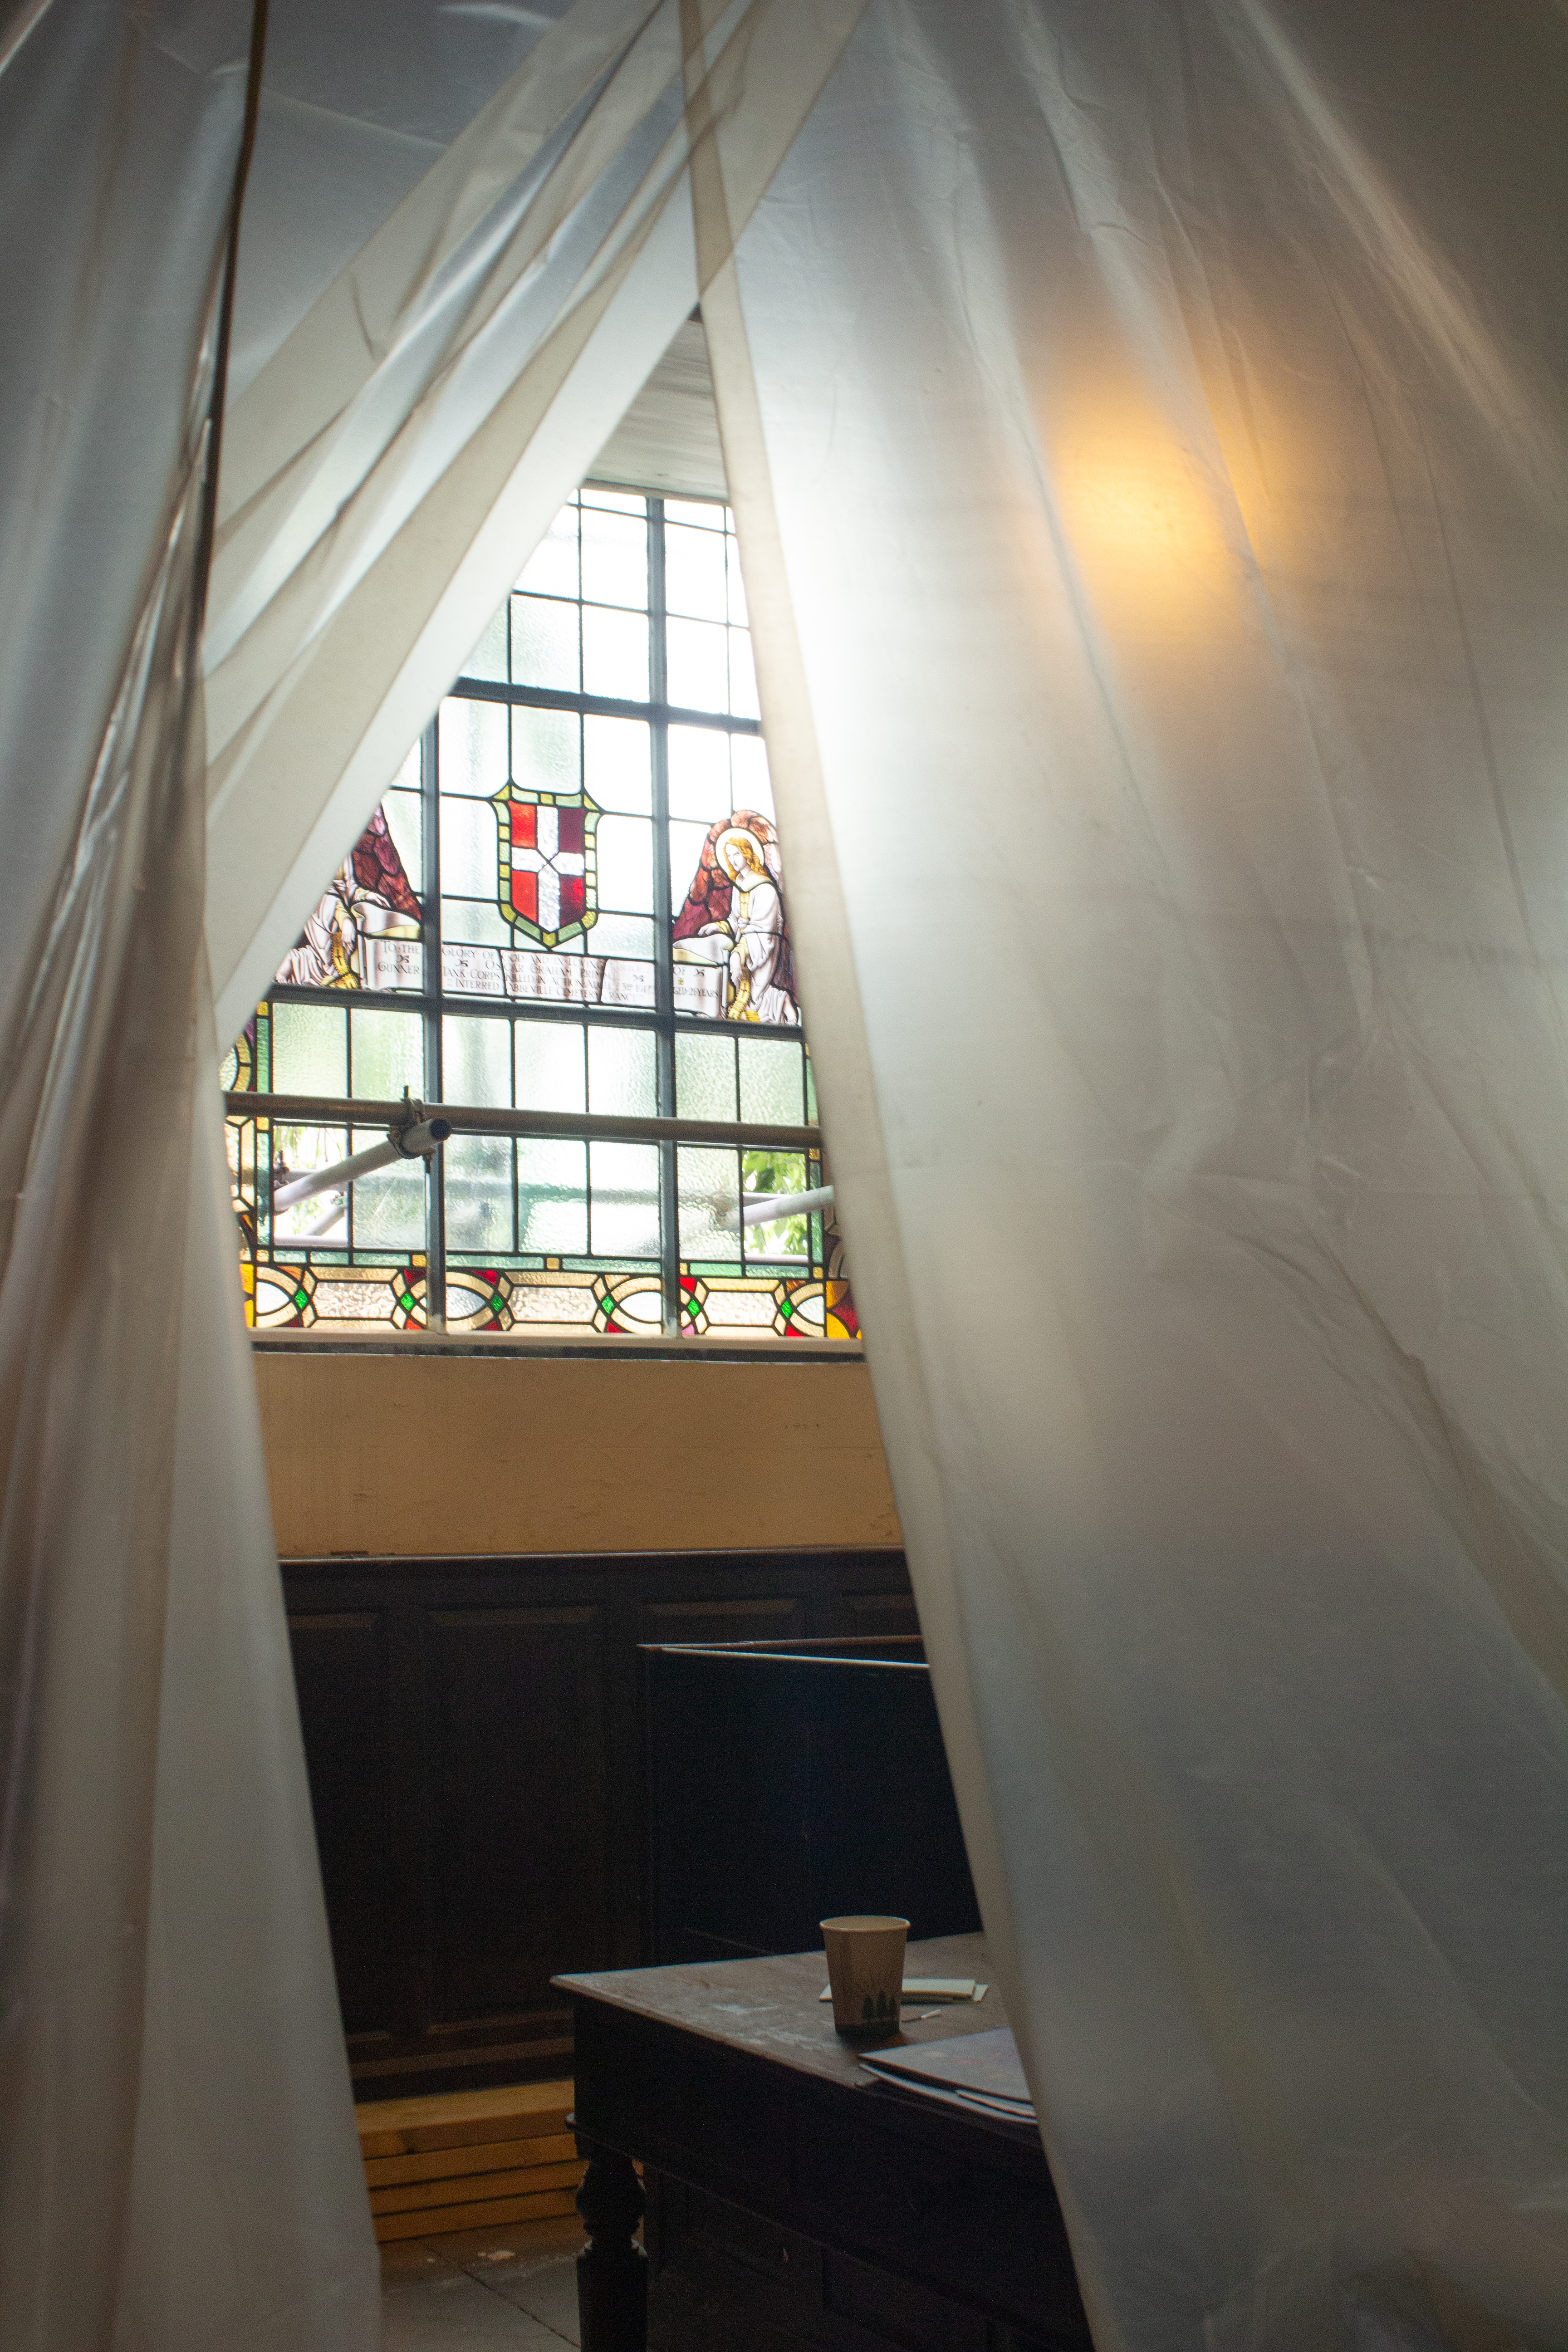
(1142, 428)
(178, 2168)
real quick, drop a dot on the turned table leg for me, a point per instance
(612, 2269)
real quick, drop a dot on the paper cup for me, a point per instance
(864, 1970)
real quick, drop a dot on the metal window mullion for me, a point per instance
(349, 1216)
(663, 949)
(435, 1168)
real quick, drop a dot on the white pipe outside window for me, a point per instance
(414, 1143)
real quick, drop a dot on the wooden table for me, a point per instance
(793, 2202)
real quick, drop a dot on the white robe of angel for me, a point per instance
(758, 956)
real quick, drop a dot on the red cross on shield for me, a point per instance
(547, 880)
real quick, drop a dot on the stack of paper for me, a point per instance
(978, 2071)
(917, 1989)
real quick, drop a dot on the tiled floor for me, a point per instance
(483, 2291)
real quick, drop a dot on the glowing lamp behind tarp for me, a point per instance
(1142, 521)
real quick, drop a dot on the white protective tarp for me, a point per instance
(178, 2166)
(394, 460)
(1146, 426)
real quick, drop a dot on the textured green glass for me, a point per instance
(388, 1052)
(705, 1077)
(310, 1049)
(772, 1081)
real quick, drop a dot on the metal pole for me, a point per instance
(421, 1142)
(765, 1208)
(344, 1110)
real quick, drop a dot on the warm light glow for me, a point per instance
(1141, 517)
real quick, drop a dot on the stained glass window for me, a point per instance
(567, 923)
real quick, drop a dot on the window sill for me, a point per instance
(363, 1340)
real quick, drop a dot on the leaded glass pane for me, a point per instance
(765, 1173)
(547, 750)
(626, 863)
(471, 746)
(697, 664)
(475, 1061)
(543, 830)
(389, 1204)
(614, 654)
(614, 558)
(386, 1052)
(699, 773)
(310, 1049)
(552, 1066)
(705, 1077)
(467, 922)
(545, 644)
(552, 1196)
(622, 1211)
(481, 1196)
(695, 580)
(772, 1081)
(467, 850)
(616, 767)
(621, 1073)
(710, 1205)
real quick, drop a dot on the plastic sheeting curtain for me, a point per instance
(1147, 431)
(391, 464)
(1143, 424)
(178, 2168)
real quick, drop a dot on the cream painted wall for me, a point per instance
(516, 1454)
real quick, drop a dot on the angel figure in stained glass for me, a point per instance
(370, 899)
(734, 915)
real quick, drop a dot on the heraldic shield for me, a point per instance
(548, 877)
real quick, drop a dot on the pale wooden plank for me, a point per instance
(489, 2155)
(418, 2194)
(461, 2119)
(479, 2134)
(491, 2213)
(330, 1424)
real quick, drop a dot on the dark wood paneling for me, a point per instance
(341, 1673)
(772, 1618)
(519, 1746)
(786, 1789)
(474, 1737)
(868, 1614)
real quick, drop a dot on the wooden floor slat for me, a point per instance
(492, 2213)
(462, 2118)
(419, 2195)
(487, 2156)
